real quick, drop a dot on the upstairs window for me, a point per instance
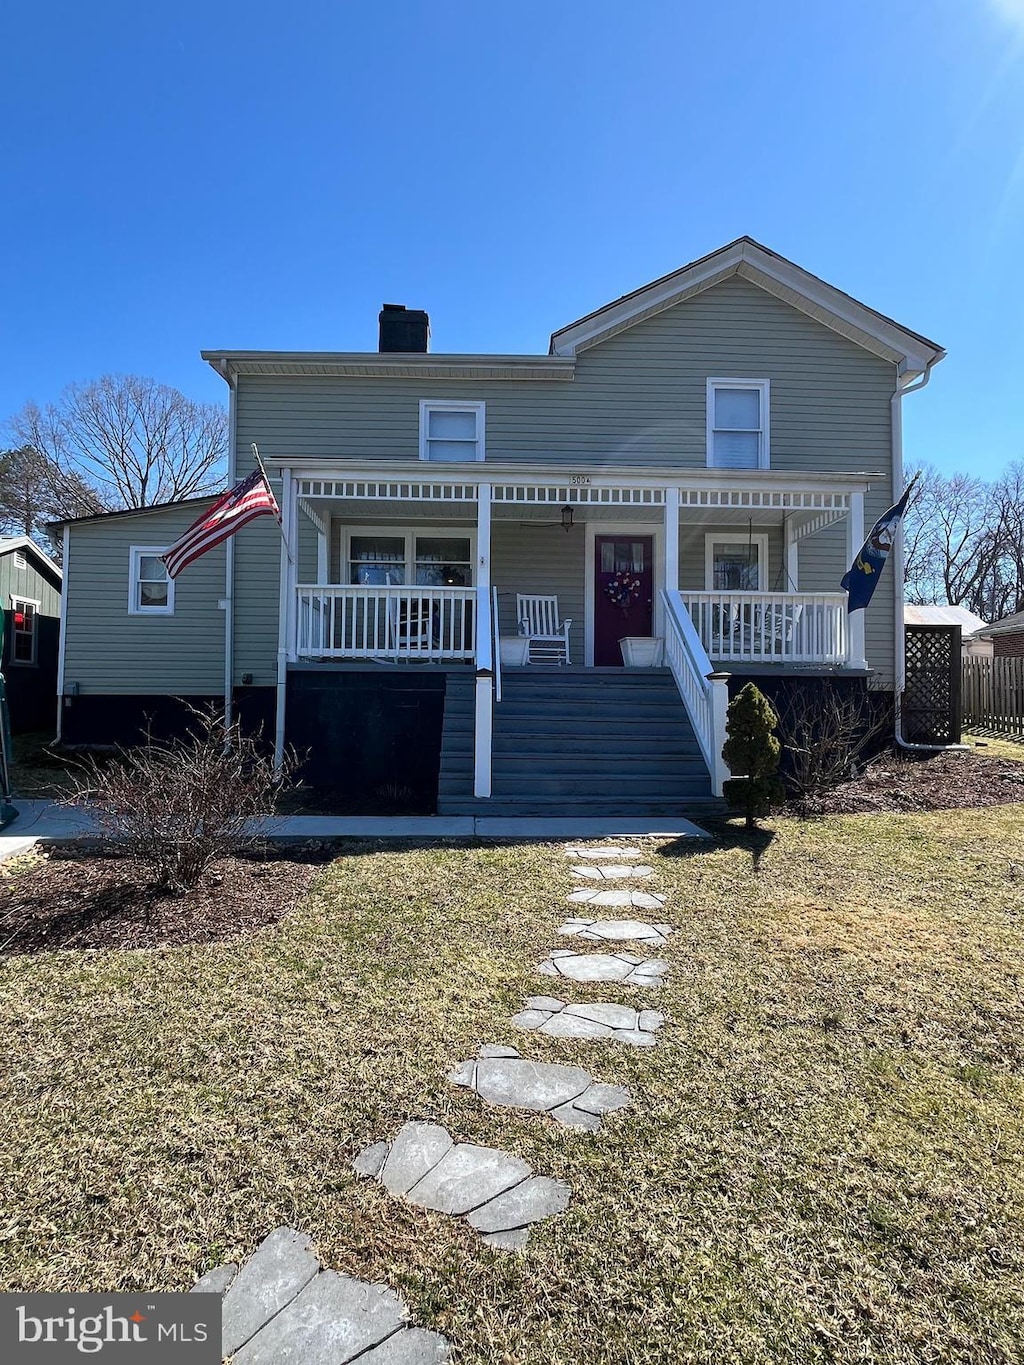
(23, 630)
(737, 419)
(150, 591)
(451, 432)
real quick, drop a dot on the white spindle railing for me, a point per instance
(408, 622)
(705, 695)
(767, 627)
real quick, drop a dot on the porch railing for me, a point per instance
(411, 623)
(767, 627)
(704, 694)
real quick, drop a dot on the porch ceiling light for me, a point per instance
(566, 518)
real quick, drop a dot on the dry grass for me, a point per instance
(822, 1161)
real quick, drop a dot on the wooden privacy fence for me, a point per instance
(993, 695)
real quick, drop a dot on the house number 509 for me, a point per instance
(577, 479)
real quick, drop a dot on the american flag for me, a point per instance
(247, 500)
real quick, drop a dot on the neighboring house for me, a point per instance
(973, 643)
(30, 586)
(1005, 637)
(712, 445)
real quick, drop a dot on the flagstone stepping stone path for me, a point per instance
(282, 1305)
(626, 968)
(497, 1194)
(568, 1094)
(618, 1023)
(611, 872)
(616, 930)
(617, 899)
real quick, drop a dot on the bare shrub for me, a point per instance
(827, 732)
(180, 806)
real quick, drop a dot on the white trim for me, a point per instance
(593, 529)
(135, 552)
(410, 532)
(284, 591)
(856, 656)
(475, 406)
(9, 543)
(774, 274)
(229, 568)
(713, 538)
(762, 387)
(391, 365)
(62, 640)
(17, 597)
(792, 555)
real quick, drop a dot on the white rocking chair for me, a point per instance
(539, 623)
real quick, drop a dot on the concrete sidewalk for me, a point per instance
(46, 823)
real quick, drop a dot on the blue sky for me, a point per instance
(177, 176)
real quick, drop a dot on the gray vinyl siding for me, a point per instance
(637, 398)
(692, 553)
(257, 595)
(31, 583)
(108, 650)
(540, 560)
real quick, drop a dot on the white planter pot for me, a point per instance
(515, 652)
(642, 651)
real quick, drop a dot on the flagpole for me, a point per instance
(266, 479)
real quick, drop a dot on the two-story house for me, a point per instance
(684, 476)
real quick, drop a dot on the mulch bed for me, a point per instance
(71, 899)
(904, 781)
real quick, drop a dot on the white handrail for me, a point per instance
(771, 627)
(704, 692)
(407, 621)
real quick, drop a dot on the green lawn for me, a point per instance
(823, 1161)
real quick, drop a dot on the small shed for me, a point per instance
(972, 644)
(30, 596)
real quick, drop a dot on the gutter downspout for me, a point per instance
(896, 422)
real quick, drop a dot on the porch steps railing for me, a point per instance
(704, 694)
(577, 742)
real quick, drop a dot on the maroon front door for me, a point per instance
(623, 593)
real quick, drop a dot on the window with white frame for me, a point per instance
(24, 625)
(736, 563)
(737, 423)
(433, 559)
(150, 591)
(451, 431)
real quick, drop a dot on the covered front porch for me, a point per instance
(394, 571)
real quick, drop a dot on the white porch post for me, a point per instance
(672, 538)
(792, 547)
(484, 708)
(855, 619)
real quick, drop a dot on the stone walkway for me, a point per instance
(282, 1305)
(497, 1194)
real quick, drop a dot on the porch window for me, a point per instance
(23, 630)
(377, 561)
(737, 423)
(451, 431)
(150, 591)
(429, 561)
(443, 562)
(736, 563)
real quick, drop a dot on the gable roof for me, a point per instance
(10, 543)
(132, 511)
(768, 270)
(942, 615)
(1006, 626)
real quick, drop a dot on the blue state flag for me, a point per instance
(861, 578)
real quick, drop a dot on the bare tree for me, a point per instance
(958, 541)
(34, 491)
(131, 441)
